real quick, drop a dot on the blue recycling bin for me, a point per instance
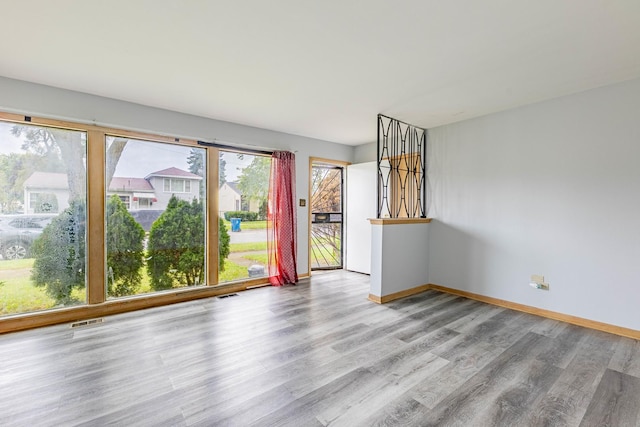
(235, 224)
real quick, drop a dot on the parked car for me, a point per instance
(18, 232)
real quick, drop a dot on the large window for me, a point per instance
(242, 201)
(43, 198)
(97, 216)
(162, 246)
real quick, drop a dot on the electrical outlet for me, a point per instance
(541, 286)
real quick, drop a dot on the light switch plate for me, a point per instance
(537, 278)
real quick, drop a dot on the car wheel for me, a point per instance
(15, 250)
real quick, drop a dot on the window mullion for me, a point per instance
(212, 172)
(96, 293)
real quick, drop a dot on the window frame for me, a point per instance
(97, 302)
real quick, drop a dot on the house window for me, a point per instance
(126, 200)
(174, 185)
(43, 203)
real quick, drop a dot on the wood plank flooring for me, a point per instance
(316, 354)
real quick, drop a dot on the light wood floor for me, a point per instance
(320, 353)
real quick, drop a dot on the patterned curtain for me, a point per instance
(281, 224)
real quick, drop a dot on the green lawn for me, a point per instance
(19, 295)
(259, 258)
(248, 247)
(232, 271)
(15, 264)
(248, 225)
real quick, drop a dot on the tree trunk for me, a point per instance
(73, 153)
(114, 151)
(72, 150)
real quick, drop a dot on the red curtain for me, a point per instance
(281, 224)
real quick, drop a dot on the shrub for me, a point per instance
(176, 246)
(224, 242)
(243, 215)
(125, 254)
(59, 253)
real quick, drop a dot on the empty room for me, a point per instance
(303, 213)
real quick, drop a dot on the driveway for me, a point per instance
(248, 236)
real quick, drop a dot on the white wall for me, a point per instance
(45, 101)
(552, 189)
(365, 152)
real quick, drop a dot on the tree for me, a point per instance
(195, 160)
(222, 171)
(125, 252)
(70, 148)
(176, 246)
(254, 180)
(59, 254)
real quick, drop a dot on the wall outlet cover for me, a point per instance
(537, 278)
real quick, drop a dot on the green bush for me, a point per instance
(176, 246)
(243, 215)
(59, 254)
(125, 252)
(224, 242)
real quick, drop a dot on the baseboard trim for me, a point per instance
(579, 321)
(397, 295)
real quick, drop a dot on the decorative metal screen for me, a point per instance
(402, 155)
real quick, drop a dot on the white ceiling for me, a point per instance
(323, 69)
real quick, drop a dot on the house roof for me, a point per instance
(234, 187)
(130, 184)
(49, 180)
(174, 173)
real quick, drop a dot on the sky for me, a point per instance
(141, 158)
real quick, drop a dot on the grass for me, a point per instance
(248, 225)
(19, 295)
(248, 247)
(232, 271)
(15, 264)
(259, 258)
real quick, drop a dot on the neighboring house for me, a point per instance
(49, 192)
(185, 185)
(230, 199)
(46, 192)
(135, 193)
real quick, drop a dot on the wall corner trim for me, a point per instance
(396, 221)
(397, 295)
